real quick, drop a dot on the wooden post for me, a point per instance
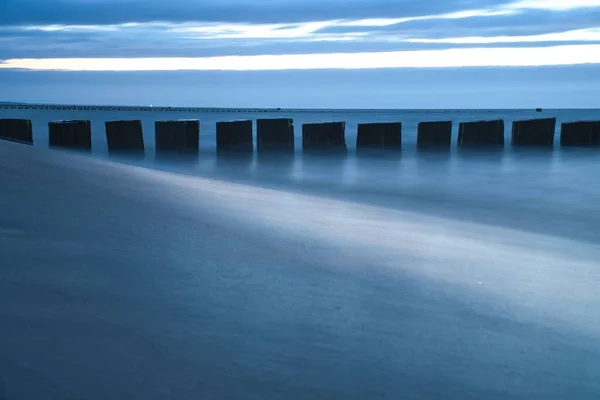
(580, 134)
(324, 137)
(435, 135)
(76, 135)
(125, 136)
(275, 135)
(182, 136)
(481, 134)
(235, 136)
(534, 132)
(380, 135)
(16, 130)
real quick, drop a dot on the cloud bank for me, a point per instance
(194, 33)
(470, 57)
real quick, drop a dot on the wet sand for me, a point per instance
(124, 282)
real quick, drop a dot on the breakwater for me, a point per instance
(277, 135)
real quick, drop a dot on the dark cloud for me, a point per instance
(16, 12)
(72, 44)
(163, 41)
(529, 23)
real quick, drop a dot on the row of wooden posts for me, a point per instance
(278, 135)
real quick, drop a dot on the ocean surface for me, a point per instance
(415, 276)
(409, 119)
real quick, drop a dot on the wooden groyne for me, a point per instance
(277, 135)
(125, 136)
(235, 137)
(324, 137)
(76, 135)
(534, 132)
(434, 135)
(481, 133)
(180, 136)
(580, 134)
(379, 135)
(16, 130)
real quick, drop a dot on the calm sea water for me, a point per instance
(536, 189)
(415, 276)
(409, 119)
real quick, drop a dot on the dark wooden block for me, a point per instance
(235, 136)
(534, 132)
(16, 130)
(481, 133)
(275, 135)
(181, 136)
(580, 134)
(328, 136)
(125, 136)
(76, 135)
(436, 134)
(380, 135)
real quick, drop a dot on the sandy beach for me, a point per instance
(124, 282)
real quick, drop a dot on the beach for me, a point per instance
(237, 280)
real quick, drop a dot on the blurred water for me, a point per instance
(413, 276)
(532, 189)
(409, 119)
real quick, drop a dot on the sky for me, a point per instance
(302, 53)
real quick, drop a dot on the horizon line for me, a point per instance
(158, 108)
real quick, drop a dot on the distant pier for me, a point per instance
(67, 107)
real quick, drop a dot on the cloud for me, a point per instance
(467, 57)
(453, 15)
(216, 30)
(161, 39)
(90, 28)
(554, 5)
(106, 12)
(71, 12)
(247, 31)
(579, 35)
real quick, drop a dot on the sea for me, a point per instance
(209, 118)
(446, 275)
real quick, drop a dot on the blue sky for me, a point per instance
(302, 53)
